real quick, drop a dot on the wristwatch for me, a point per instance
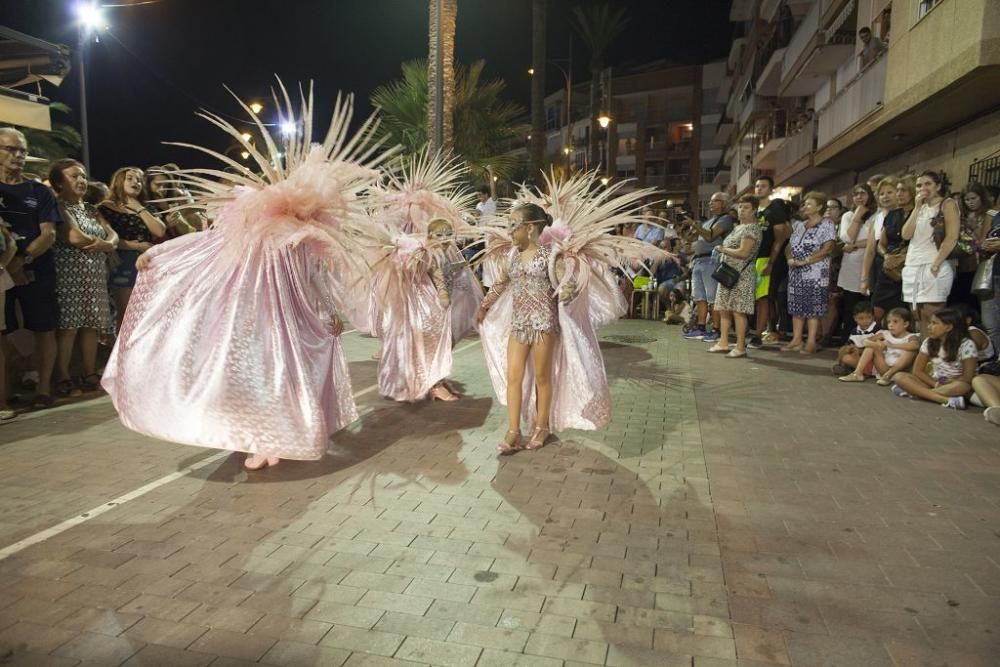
(28, 259)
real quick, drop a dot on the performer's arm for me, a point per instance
(322, 289)
(440, 285)
(496, 290)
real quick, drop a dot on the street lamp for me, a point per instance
(289, 128)
(605, 180)
(90, 19)
(256, 107)
(604, 120)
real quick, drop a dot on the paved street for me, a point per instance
(736, 512)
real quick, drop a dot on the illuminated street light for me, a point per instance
(91, 17)
(246, 136)
(289, 128)
(531, 71)
(256, 107)
(244, 155)
(605, 180)
(567, 150)
(604, 120)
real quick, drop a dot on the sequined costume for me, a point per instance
(226, 342)
(534, 304)
(576, 253)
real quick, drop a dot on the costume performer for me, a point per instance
(426, 295)
(539, 322)
(231, 339)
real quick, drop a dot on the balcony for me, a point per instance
(753, 107)
(814, 52)
(725, 87)
(769, 10)
(723, 131)
(858, 100)
(744, 181)
(677, 182)
(736, 53)
(741, 10)
(766, 157)
(769, 80)
(721, 178)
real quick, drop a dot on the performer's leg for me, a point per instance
(517, 359)
(541, 355)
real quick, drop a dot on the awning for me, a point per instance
(25, 59)
(24, 109)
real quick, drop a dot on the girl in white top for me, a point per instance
(985, 351)
(927, 275)
(952, 356)
(855, 226)
(889, 351)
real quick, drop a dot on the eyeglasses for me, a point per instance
(15, 150)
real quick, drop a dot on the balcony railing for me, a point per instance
(861, 97)
(678, 181)
(796, 147)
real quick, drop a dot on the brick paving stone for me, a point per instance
(165, 633)
(438, 652)
(709, 515)
(99, 649)
(363, 640)
(233, 645)
(164, 656)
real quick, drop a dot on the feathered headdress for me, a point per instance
(301, 192)
(426, 186)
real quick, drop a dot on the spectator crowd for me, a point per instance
(68, 249)
(902, 282)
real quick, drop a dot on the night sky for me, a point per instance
(163, 61)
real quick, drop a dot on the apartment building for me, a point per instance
(655, 133)
(808, 104)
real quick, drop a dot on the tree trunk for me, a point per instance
(536, 151)
(441, 74)
(596, 67)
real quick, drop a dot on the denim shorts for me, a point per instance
(703, 285)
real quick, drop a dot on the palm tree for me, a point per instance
(598, 26)
(441, 38)
(484, 123)
(536, 149)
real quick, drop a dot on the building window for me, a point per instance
(925, 6)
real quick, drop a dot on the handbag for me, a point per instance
(982, 281)
(727, 276)
(892, 264)
(965, 246)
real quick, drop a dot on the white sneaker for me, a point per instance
(976, 401)
(955, 403)
(992, 415)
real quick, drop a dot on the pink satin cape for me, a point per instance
(581, 396)
(232, 353)
(417, 333)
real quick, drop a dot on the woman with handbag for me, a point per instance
(974, 201)
(808, 253)
(735, 297)
(932, 231)
(886, 290)
(986, 283)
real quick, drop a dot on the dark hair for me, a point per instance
(953, 340)
(56, 169)
(941, 178)
(840, 204)
(969, 315)
(863, 307)
(677, 294)
(749, 199)
(984, 197)
(484, 190)
(770, 181)
(96, 193)
(902, 313)
(864, 29)
(534, 212)
(871, 204)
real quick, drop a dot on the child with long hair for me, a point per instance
(951, 355)
(889, 351)
(678, 308)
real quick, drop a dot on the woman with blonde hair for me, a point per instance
(137, 229)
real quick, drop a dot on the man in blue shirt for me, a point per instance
(29, 208)
(710, 233)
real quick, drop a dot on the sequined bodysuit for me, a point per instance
(534, 301)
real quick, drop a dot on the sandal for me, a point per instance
(505, 448)
(91, 383)
(719, 348)
(883, 382)
(441, 393)
(736, 354)
(852, 377)
(7, 415)
(66, 388)
(536, 442)
(792, 347)
(258, 461)
(42, 402)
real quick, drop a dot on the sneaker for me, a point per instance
(695, 334)
(992, 415)
(899, 391)
(976, 401)
(7, 415)
(755, 343)
(711, 337)
(955, 403)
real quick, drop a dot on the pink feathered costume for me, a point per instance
(577, 249)
(226, 342)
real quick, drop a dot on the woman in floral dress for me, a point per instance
(736, 302)
(808, 253)
(81, 255)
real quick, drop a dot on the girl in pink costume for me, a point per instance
(426, 295)
(538, 323)
(231, 339)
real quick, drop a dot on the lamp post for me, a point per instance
(568, 93)
(90, 19)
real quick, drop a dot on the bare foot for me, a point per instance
(258, 461)
(441, 393)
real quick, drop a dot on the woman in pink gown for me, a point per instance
(231, 339)
(539, 321)
(428, 298)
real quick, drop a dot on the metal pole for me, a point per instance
(84, 129)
